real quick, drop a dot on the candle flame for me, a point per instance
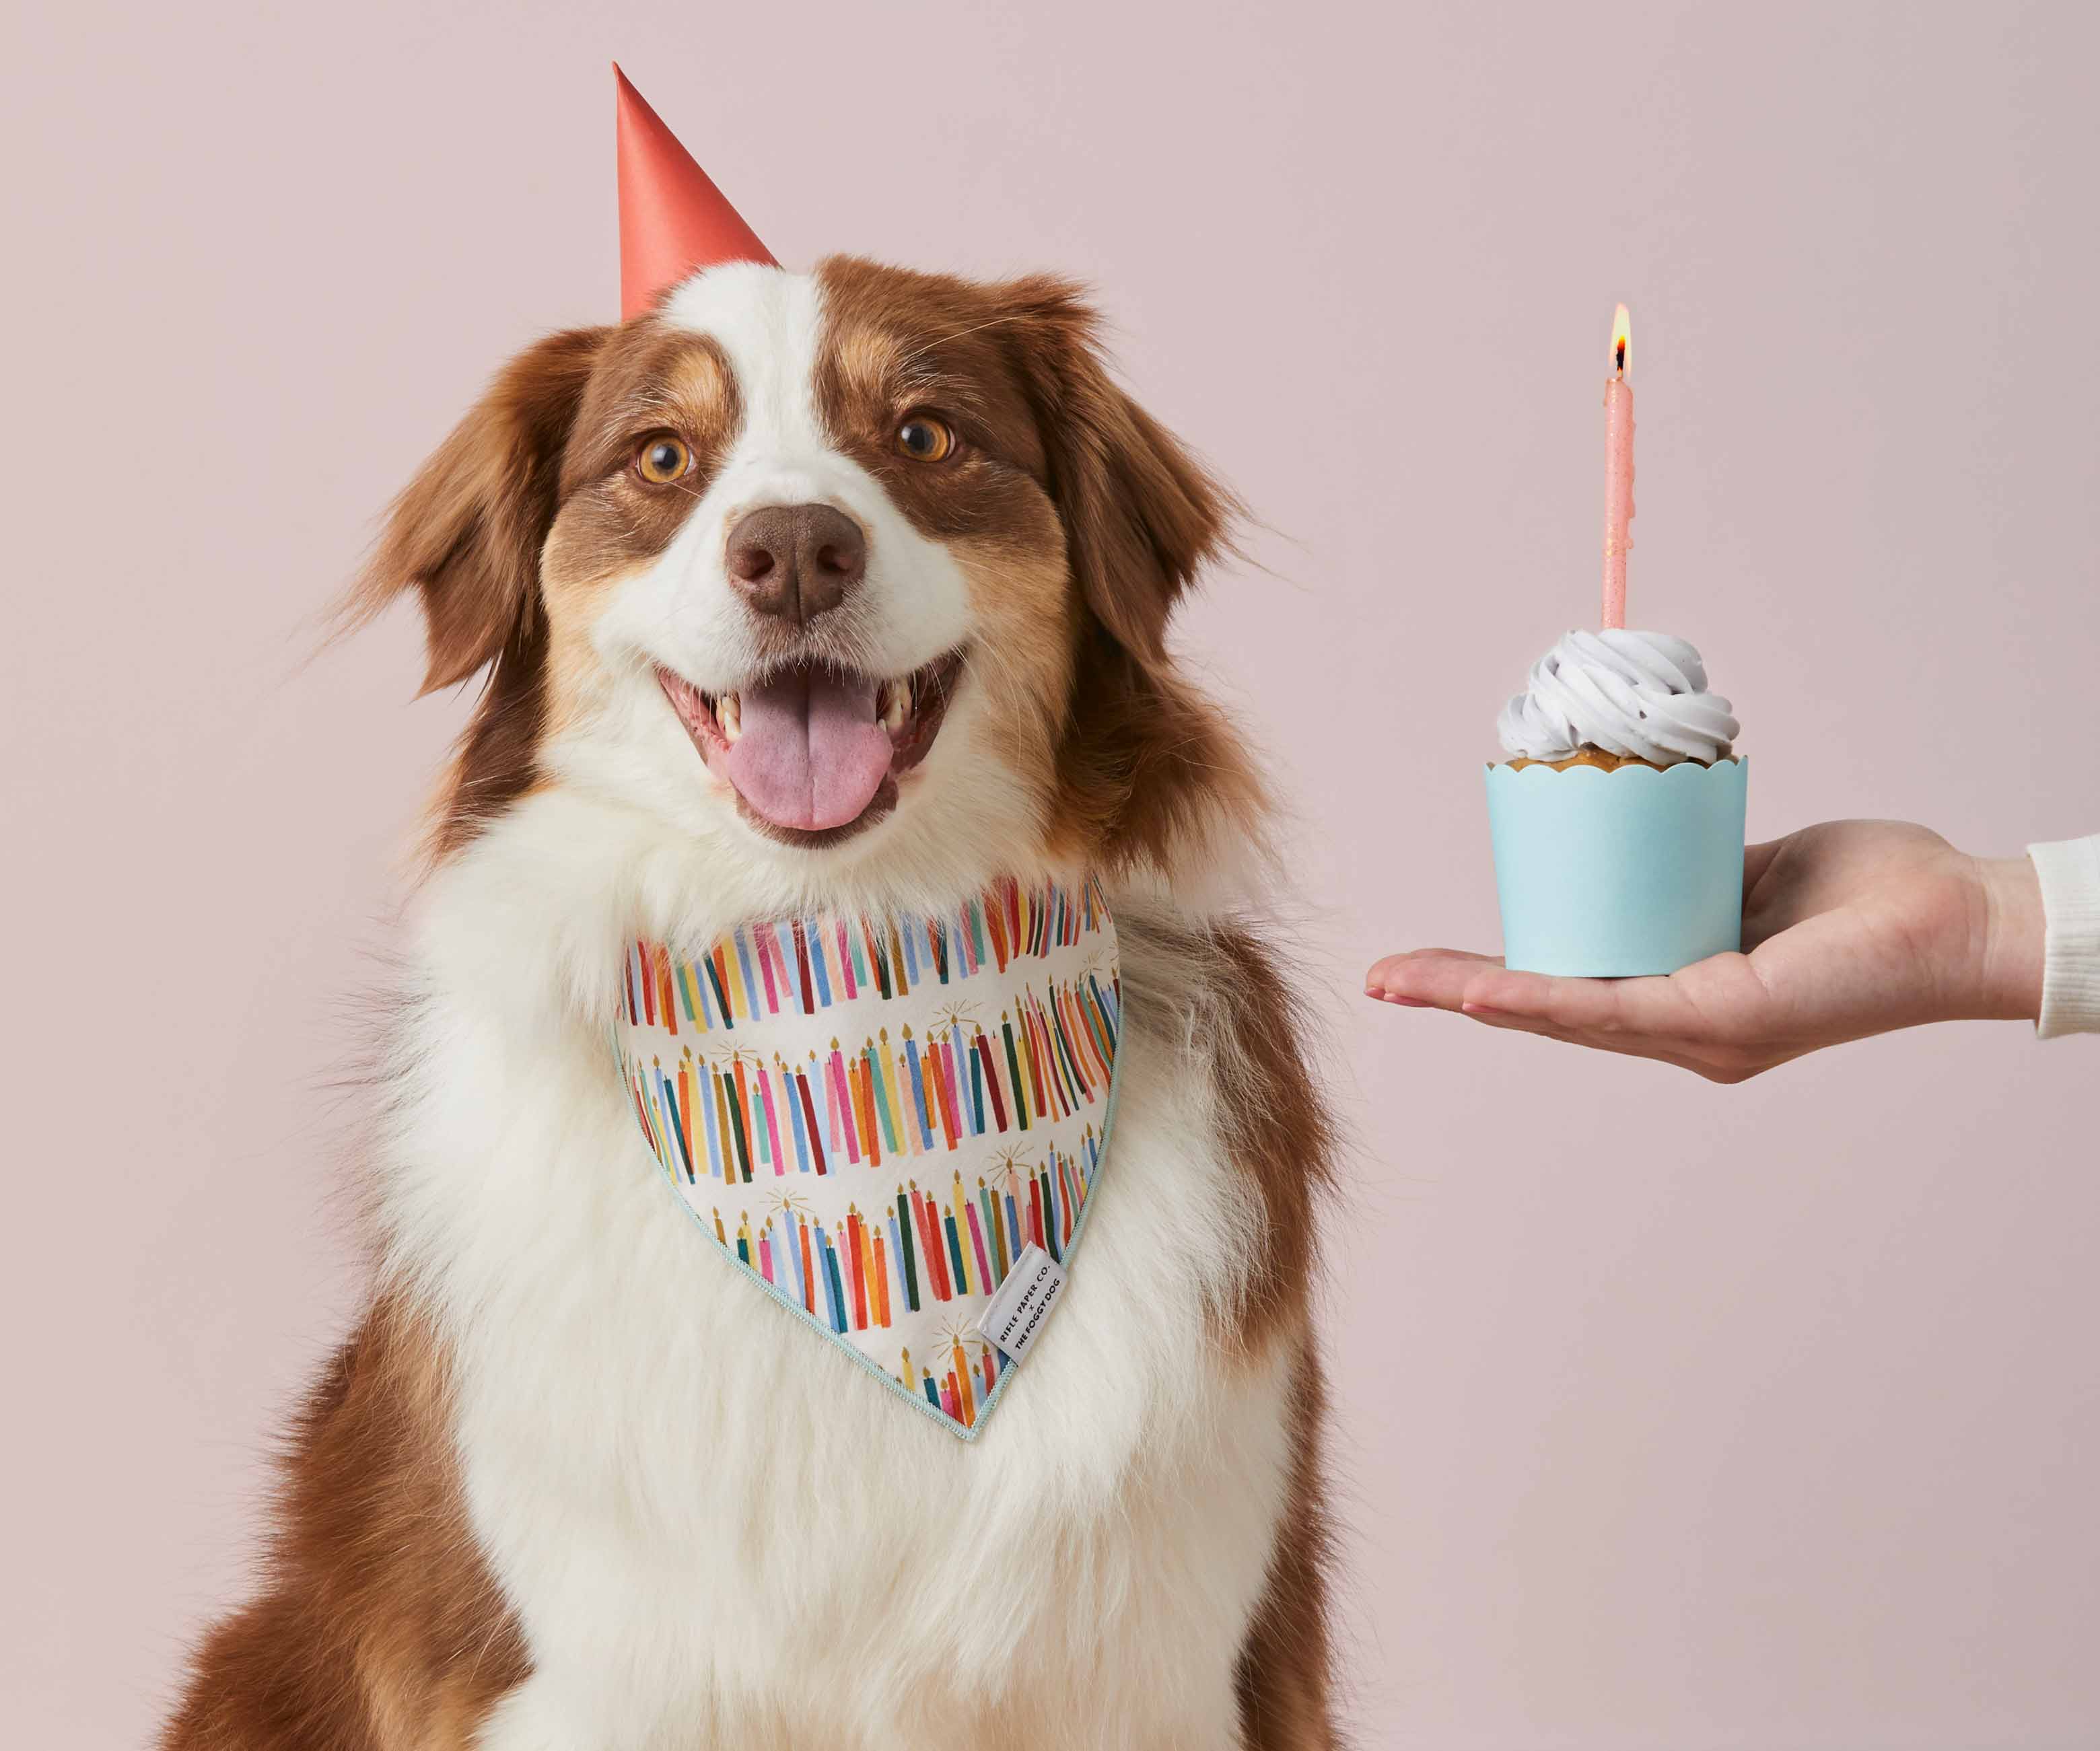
(1623, 339)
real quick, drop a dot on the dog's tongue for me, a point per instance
(811, 754)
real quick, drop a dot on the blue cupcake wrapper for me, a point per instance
(1609, 875)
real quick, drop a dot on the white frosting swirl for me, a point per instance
(1637, 693)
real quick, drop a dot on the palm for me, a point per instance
(1852, 928)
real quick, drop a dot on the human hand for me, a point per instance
(1850, 928)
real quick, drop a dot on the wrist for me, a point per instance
(2013, 932)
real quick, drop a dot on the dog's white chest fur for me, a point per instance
(712, 1535)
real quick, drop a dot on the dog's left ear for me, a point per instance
(1142, 515)
(1149, 763)
(466, 533)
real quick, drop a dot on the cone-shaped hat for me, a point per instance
(674, 221)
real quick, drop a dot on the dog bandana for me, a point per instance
(878, 1121)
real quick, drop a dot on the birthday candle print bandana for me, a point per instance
(873, 1118)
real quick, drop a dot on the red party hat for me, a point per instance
(674, 221)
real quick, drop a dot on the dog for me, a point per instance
(570, 1484)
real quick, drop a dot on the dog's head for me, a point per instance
(854, 564)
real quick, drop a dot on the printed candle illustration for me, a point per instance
(1618, 469)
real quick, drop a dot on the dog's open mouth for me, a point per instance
(814, 752)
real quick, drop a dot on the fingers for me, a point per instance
(1424, 978)
(1706, 1018)
(1451, 979)
(1718, 999)
(1720, 1068)
(1694, 1007)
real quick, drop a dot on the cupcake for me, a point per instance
(1617, 819)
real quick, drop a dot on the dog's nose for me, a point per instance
(796, 562)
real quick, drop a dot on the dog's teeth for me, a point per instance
(896, 703)
(729, 713)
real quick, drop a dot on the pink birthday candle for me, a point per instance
(772, 1121)
(762, 940)
(845, 961)
(842, 1096)
(1618, 470)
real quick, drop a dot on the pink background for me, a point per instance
(1671, 1415)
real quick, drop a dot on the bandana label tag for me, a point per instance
(1016, 1316)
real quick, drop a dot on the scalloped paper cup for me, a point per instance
(1610, 875)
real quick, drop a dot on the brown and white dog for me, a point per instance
(537, 1501)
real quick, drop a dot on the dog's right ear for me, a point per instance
(468, 530)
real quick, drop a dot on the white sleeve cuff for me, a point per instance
(2070, 873)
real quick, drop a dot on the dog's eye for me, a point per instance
(925, 439)
(662, 458)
